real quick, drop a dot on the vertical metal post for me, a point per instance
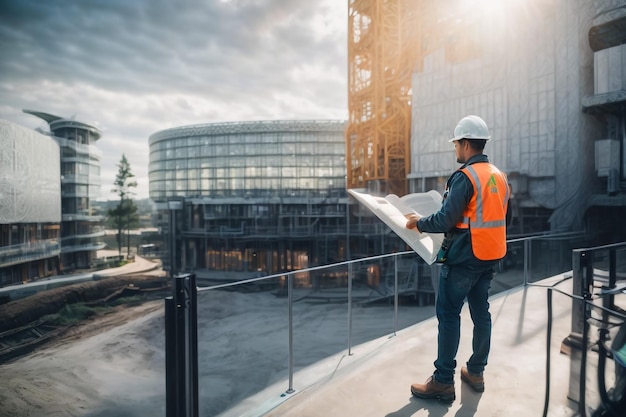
(348, 255)
(193, 340)
(583, 285)
(173, 206)
(350, 309)
(181, 352)
(395, 295)
(579, 261)
(526, 261)
(582, 382)
(182, 348)
(172, 243)
(548, 344)
(582, 272)
(574, 340)
(170, 358)
(609, 300)
(290, 314)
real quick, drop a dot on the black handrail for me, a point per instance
(181, 348)
(582, 305)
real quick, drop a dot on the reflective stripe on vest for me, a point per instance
(485, 215)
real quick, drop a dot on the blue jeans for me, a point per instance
(456, 283)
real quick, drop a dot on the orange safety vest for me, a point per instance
(485, 215)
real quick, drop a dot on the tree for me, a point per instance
(124, 215)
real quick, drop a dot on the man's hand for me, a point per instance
(412, 221)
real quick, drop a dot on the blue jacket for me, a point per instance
(459, 191)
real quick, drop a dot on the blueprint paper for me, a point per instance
(392, 209)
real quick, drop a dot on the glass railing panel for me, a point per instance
(244, 335)
(85, 247)
(604, 261)
(28, 251)
(404, 276)
(320, 315)
(320, 321)
(620, 264)
(550, 256)
(242, 346)
(509, 271)
(531, 259)
(417, 286)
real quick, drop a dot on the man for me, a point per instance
(473, 218)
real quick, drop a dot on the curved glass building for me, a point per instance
(248, 159)
(263, 196)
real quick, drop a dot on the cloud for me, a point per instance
(134, 68)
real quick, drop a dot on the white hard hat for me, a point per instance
(471, 127)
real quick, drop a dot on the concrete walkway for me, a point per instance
(140, 265)
(375, 380)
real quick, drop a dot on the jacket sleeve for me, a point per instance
(459, 195)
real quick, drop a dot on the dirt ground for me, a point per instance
(114, 365)
(115, 317)
(22, 311)
(44, 382)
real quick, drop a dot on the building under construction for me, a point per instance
(548, 77)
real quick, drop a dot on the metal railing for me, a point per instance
(181, 344)
(543, 258)
(592, 269)
(41, 249)
(584, 279)
(181, 330)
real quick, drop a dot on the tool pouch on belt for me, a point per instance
(442, 255)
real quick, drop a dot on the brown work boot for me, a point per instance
(477, 382)
(434, 389)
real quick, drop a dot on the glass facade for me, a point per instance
(80, 170)
(248, 159)
(258, 198)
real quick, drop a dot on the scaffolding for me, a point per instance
(387, 42)
(381, 55)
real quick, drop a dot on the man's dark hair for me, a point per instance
(477, 144)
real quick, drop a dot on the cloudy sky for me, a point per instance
(132, 68)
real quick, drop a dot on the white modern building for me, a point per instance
(30, 204)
